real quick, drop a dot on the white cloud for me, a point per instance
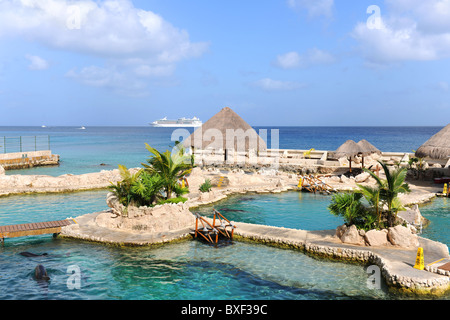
(112, 28)
(288, 60)
(315, 8)
(410, 31)
(293, 59)
(130, 40)
(268, 84)
(37, 63)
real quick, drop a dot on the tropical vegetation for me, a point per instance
(171, 167)
(205, 186)
(157, 182)
(382, 201)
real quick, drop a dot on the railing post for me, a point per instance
(20, 142)
(35, 149)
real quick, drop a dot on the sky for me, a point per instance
(276, 63)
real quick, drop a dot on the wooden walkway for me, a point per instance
(32, 229)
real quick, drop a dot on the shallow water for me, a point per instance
(438, 212)
(298, 210)
(187, 270)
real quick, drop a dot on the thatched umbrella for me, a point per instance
(226, 130)
(437, 147)
(367, 149)
(349, 149)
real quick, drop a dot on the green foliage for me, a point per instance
(383, 201)
(372, 195)
(172, 200)
(352, 210)
(348, 206)
(146, 190)
(139, 189)
(205, 186)
(157, 182)
(170, 167)
(123, 189)
(391, 187)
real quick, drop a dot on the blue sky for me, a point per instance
(276, 63)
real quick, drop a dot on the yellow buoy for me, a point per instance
(445, 189)
(300, 183)
(420, 265)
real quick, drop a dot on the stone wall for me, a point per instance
(20, 160)
(157, 219)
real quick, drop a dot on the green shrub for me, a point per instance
(139, 189)
(172, 200)
(206, 186)
(352, 210)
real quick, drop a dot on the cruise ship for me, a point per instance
(181, 122)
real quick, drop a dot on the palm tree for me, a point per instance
(170, 166)
(391, 187)
(347, 205)
(147, 189)
(122, 189)
(372, 195)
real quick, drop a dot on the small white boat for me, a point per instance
(43, 126)
(82, 128)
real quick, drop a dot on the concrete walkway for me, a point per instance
(396, 264)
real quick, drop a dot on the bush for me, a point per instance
(139, 189)
(350, 208)
(173, 200)
(206, 186)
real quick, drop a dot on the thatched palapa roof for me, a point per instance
(367, 147)
(437, 147)
(349, 149)
(225, 130)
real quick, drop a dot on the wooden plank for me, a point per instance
(53, 223)
(34, 232)
(445, 267)
(34, 228)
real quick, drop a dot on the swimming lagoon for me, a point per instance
(185, 270)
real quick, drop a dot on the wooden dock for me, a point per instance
(32, 229)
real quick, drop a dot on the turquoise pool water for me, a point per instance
(190, 270)
(297, 210)
(438, 212)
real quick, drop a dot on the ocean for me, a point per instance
(103, 148)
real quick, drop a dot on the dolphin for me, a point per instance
(40, 273)
(231, 210)
(29, 254)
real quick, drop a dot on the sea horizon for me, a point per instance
(98, 148)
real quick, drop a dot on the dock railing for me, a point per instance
(24, 144)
